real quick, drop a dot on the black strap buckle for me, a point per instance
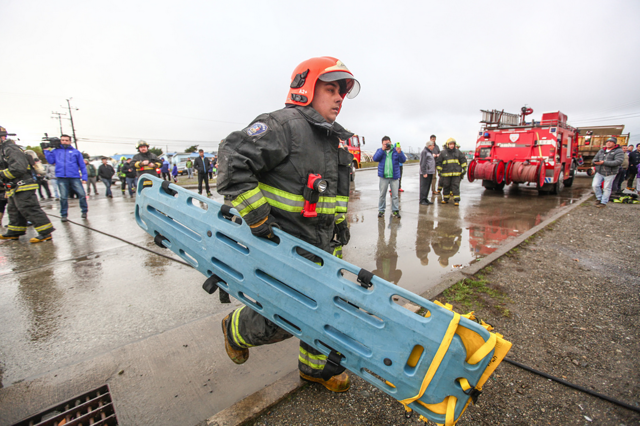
(473, 394)
(211, 285)
(158, 239)
(332, 367)
(165, 187)
(364, 278)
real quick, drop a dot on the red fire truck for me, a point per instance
(353, 143)
(511, 150)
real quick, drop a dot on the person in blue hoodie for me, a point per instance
(389, 159)
(166, 173)
(71, 173)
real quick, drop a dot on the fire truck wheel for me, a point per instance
(569, 182)
(559, 185)
(353, 173)
(500, 186)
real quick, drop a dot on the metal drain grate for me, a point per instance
(93, 408)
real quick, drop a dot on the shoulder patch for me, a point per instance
(256, 129)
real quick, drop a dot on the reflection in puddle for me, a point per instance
(386, 253)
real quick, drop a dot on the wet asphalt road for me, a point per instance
(88, 308)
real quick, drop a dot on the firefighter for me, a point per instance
(23, 206)
(286, 170)
(145, 162)
(451, 165)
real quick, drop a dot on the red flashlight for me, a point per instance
(315, 186)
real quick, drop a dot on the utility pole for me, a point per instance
(59, 118)
(73, 129)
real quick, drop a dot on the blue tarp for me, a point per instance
(117, 157)
(206, 154)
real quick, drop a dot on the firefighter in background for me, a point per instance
(451, 165)
(22, 204)
(145, 162)
(274, 172)
(122, 175)
(447, 242)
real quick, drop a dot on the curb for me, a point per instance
(255, 404)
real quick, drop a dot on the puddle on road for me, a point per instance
(429, 242)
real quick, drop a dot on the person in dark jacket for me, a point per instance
(92, 177)
(427, 170)
(130, 175)
(389, 158)
(145, 162)
(202, 166)
(634, 162)
(105, 173)
(451, 165)
(435, 152)
(19, 188)
(71, 173)
(264, 170)
(607, 161)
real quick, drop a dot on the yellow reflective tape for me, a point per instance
(29, 187)
(8, 174)
(244, 196)
(437, 359)
(234, 329)
(454, 161)
(16, 228)
(280, 192)
(253, 206)
(310, 364)
(43, 227)
(320, 357)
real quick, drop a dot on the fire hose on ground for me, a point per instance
(522, 172)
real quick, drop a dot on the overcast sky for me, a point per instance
(190, 72)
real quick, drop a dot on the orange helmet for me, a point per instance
(325, 68)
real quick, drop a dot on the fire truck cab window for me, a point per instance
(485, 152)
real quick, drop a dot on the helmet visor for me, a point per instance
(352, 86)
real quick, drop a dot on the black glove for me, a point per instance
(264, 230)
(343, 235)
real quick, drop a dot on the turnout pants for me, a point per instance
(23, 206)
(450, 186)
(247, 328)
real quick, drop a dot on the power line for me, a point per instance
(614, 117)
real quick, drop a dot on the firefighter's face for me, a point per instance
(327, 100)
(143, 148)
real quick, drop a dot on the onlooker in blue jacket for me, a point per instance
(389, 160)
(71, 173)
(166, 174)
